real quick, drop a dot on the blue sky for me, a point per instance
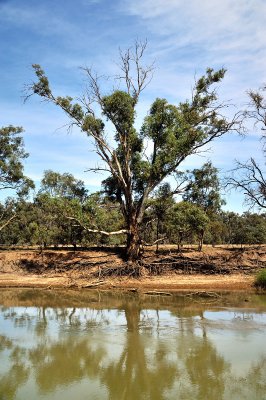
(184, 38)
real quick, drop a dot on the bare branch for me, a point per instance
(153, 243)
(7, 222)
(249, 178)
(97, 170)
(93, 93)
(135, 75)
(121, 231)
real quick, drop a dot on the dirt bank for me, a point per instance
(222, 267)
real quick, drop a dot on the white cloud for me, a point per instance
(194, 34)
(199, 20)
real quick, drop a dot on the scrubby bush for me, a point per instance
(260, 281)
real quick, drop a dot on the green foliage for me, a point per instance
(157, 214)
(204, 189)
(119, 108)
(63, 185)
(42, 86)
(11, 155)
(12, 175)
(260, 281)
(216, 231)
(249, 228)
(187, 219)
(176, 131)
(44, 221)
(90, 124)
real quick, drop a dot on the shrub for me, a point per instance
(260, 281)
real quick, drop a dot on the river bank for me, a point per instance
(221, 268)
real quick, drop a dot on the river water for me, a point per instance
(65, 345)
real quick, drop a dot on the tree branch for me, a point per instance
(121, 231)
(251, 181)
(7, 222)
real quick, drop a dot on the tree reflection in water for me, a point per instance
(65, 362)
(136, 375)
(17, 373)
(138, 359)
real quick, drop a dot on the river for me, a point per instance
(65, 345)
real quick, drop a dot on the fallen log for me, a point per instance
(155, 293)
(93, 284)
(203, 294)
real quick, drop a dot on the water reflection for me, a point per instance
(16, 373)
(101, 346)
(63, 362)
(134, 374)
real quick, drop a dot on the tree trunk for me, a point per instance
(157, 235)
(201, 235)
(133, 242)
(180, 240)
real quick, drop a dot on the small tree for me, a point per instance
(59, 196)
(188, 220)
(7, 213)
(174, 132)
(63, 185)
(11, 168)
(203, 189)
(160, 206)
(11, 155)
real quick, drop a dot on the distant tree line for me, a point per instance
(63, 213)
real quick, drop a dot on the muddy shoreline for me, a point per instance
(219, 268)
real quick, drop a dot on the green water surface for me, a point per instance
(70, 345)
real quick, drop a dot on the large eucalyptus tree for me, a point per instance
(173, 131)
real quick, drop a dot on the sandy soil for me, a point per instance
(223, 268)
